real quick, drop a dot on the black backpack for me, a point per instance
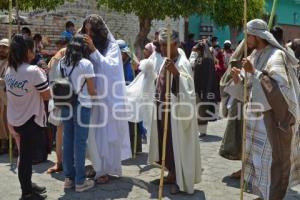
(63, 90)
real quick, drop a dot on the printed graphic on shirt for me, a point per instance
(16, 87)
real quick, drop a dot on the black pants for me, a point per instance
(28, 140)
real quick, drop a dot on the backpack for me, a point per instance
(63, 90)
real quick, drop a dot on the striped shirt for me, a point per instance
(23, 89)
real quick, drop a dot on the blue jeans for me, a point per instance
(74, 142)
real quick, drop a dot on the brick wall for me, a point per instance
(51, 24)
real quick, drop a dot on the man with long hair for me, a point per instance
(108, 141)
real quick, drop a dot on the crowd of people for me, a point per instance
(116, 101)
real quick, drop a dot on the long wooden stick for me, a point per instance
(18, 17)
(244, 110)
(272, 14)
(9, 38)
(135, 140)
(245, 89)
(166, 118)
(10, 149)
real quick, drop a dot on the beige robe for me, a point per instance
(184, 132)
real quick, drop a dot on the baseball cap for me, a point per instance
(4, 42)
(227, 42)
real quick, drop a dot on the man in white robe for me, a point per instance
(108, 142)
(183, 150)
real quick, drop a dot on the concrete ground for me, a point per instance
(135, 184)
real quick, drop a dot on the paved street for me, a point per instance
(135, 184)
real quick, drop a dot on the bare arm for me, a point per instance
(91, 86)
(46, 95)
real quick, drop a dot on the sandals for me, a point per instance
(236, 175)
(102, 180)
(90, 172)
(174, 190)
(167, 181)
(55, 169)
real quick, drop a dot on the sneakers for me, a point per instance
(88, 184)
(33, 196)
(69, 183)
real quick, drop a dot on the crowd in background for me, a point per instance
(75, 56)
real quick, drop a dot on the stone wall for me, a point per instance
(51, 24)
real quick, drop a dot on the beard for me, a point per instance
(2, 57)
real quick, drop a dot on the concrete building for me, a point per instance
(287, 16)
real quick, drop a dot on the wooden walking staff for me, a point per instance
(245, 90)
(272, 14)
(135, 140)
(245, 102)
(135, 124)
(9, 37)
(166, 117)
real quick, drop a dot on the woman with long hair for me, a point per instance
(76, 118)
(27, 89)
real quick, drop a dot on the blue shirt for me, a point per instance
(68, 35)
(128, 72)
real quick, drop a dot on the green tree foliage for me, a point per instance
(159, 9)
(148, 10)
(32, 4)
(231, 13)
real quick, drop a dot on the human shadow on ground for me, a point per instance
(292, 194)
(58, 176)
(141, 161)
(4, 159)
(210, 138)
(198, 195)
(42, 167)
(235, 183)
(118, 188)
(38, 168)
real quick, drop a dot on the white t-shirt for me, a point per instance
(81, 72)
(23, 88)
